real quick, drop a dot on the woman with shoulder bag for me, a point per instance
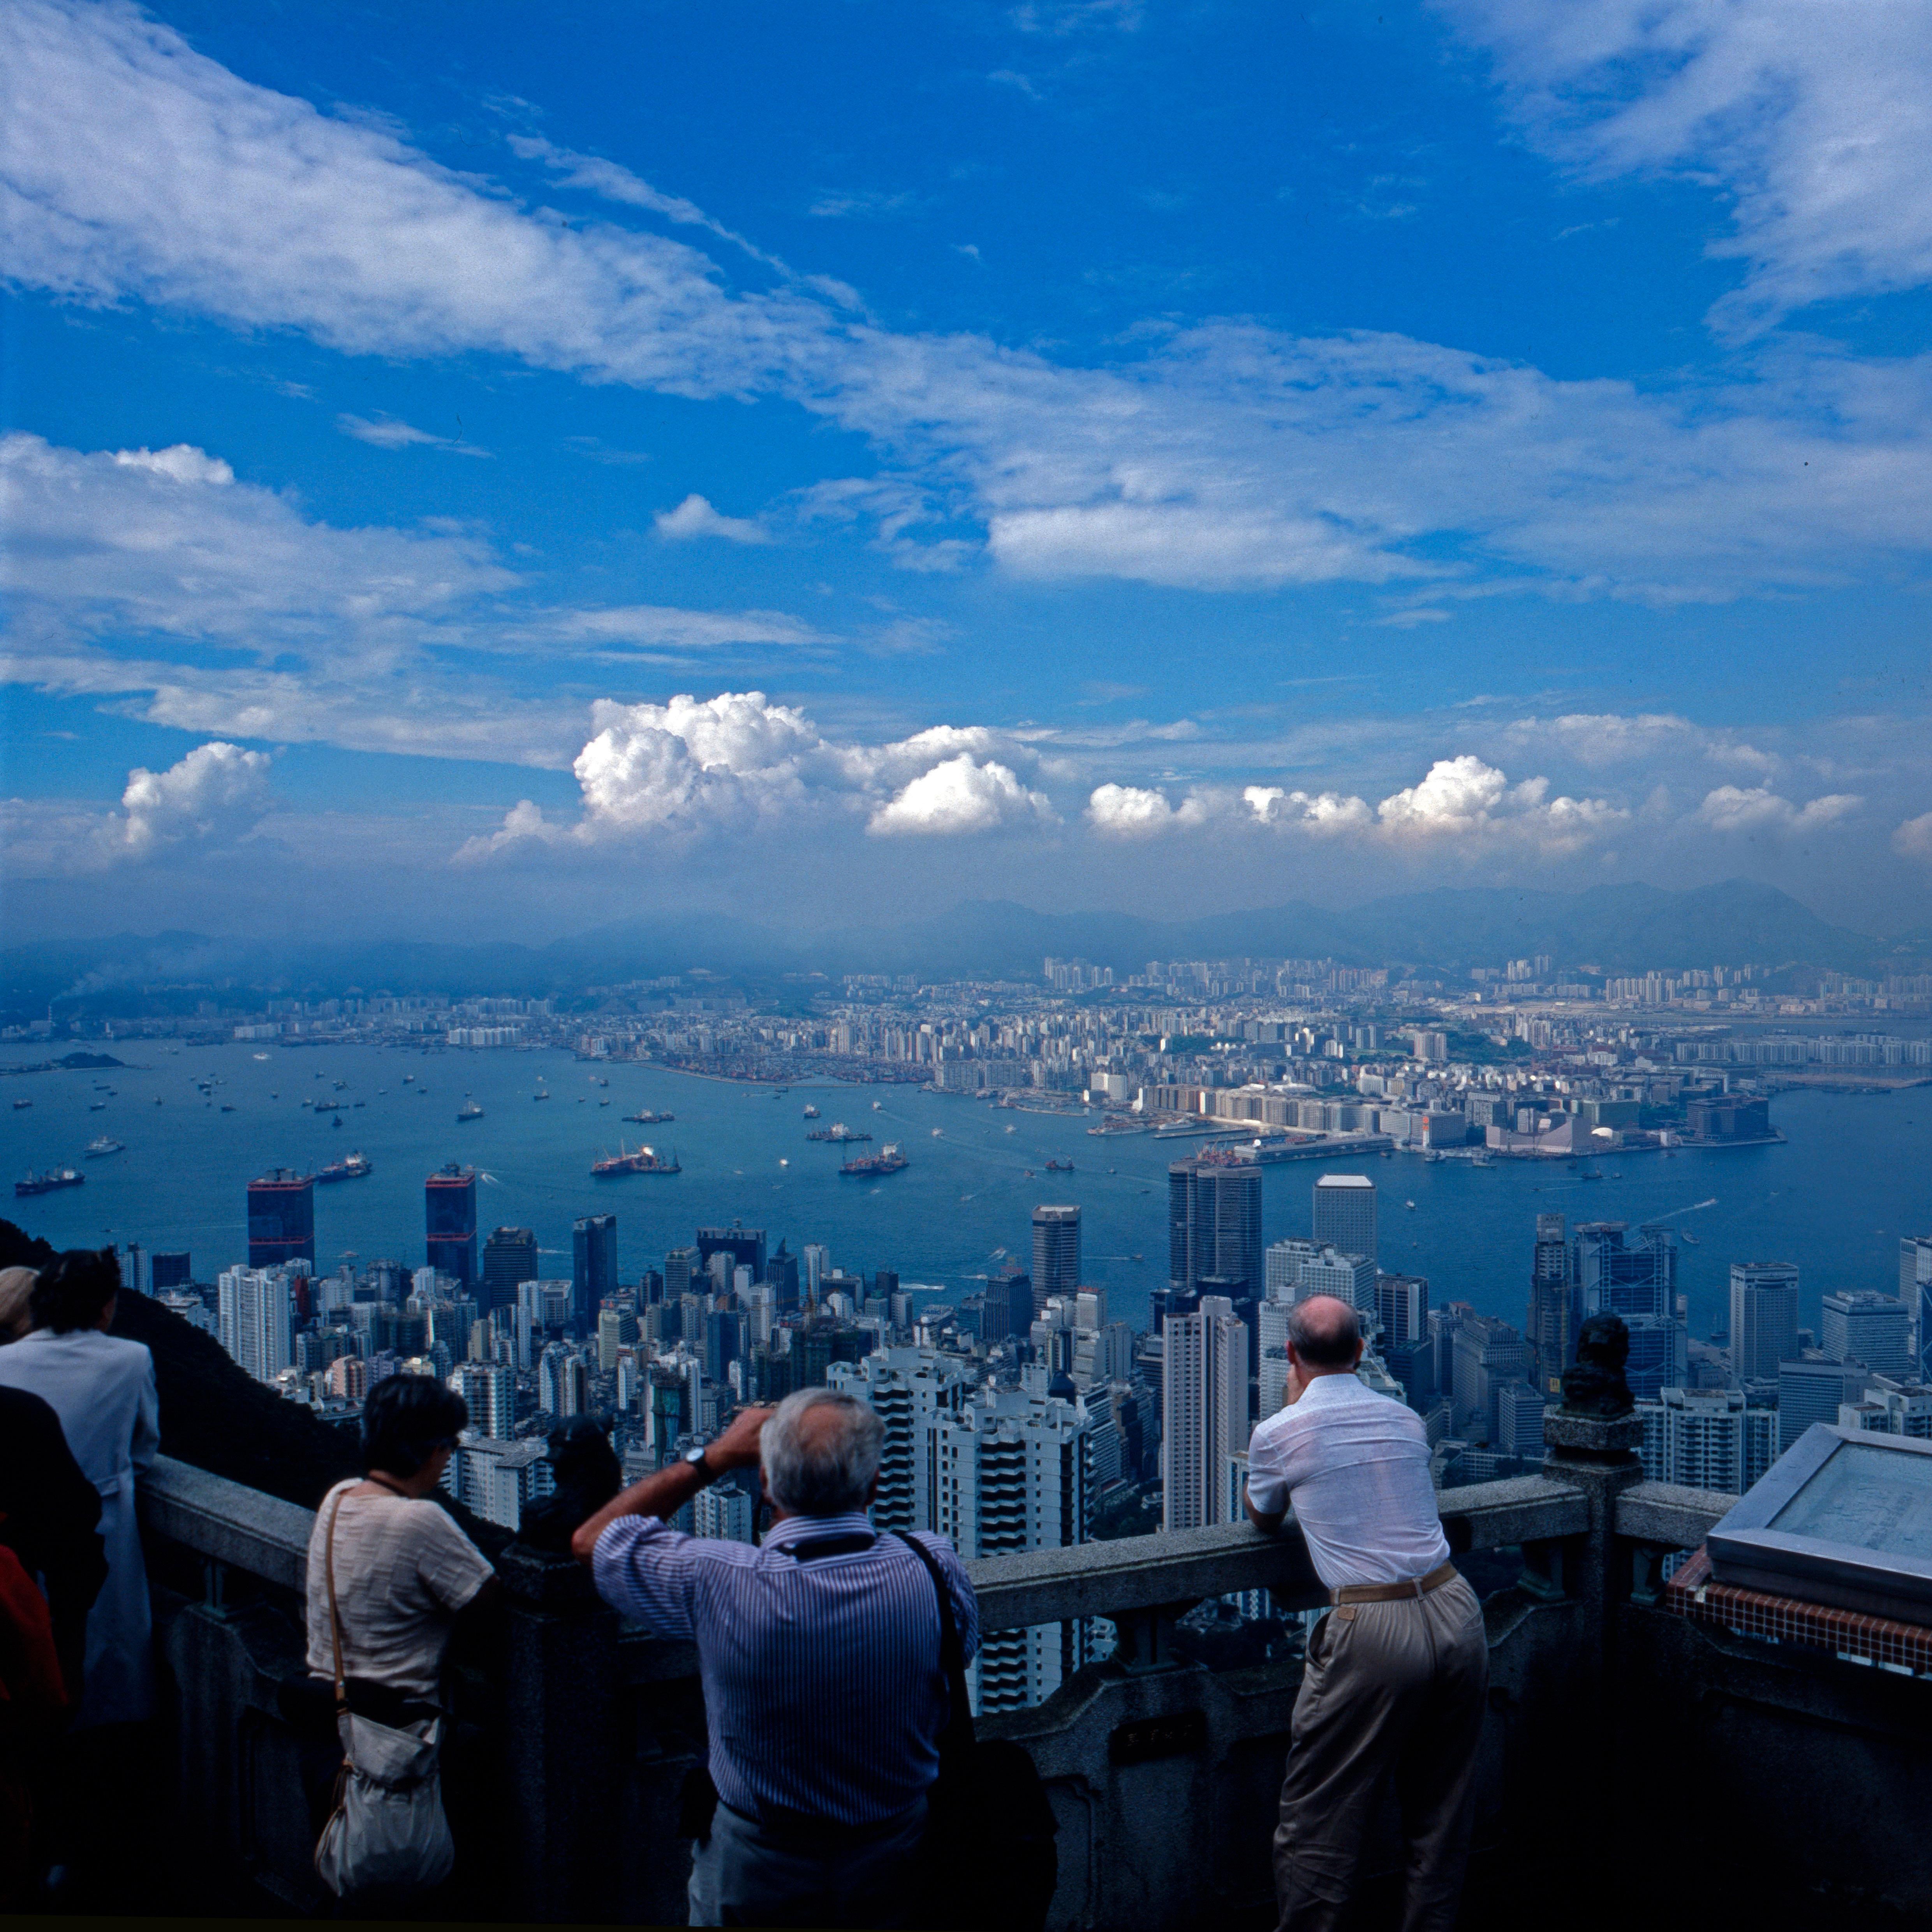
(388, 1571)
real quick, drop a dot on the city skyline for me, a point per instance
(461, 480)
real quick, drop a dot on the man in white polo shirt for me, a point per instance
(1398, 1669)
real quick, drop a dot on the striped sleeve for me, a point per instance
(644, 1570)
(959, 1588)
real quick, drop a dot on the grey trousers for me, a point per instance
(1391, 1690)
(745, 1874)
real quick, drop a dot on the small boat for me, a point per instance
(1059, 1167)
(783, 1162)
(939, 1133)
(603, 1103)
(1410, 1205)
(228, 1106)
(1011, 1128)
(259, 1056)
(1686, 1234)
(19, 1104)
(469, 1111)
(645, 1117)
(1133, 1258)
(541, 1094)
(406, 1078)
(1591, 1174)
(878, 1106)
(357, 1167)
(106, 1143)
(810, 1112)
(97, 1106)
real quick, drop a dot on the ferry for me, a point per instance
(887, 1160)
(106, 1143)
(645, 1117)
(47, 1183)
(357, 1167)
(469, 1111)
(644, 1160)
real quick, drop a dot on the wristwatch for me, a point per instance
(695, 1457)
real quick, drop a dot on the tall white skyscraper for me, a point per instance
(1204, 1411)
(1345, 1214)
(815, 1264)
(1056, 1254)
(1014, 1471)
(1764, 1318)
(252, 1320)
(1707, 1439)
(911, 1390)
(489, 1389)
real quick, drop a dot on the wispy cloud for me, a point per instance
(391, 433)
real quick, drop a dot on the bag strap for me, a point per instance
(952, 1651)
(334, 1614)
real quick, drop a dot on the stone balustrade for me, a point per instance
(573, 1733)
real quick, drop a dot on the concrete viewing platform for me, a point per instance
(1639, 1748)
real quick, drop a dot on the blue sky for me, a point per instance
(465, 477)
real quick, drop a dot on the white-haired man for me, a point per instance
(819, 1652)
(1397, 1671)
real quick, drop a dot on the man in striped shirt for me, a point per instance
(819, 1653)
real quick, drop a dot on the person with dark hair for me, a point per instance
(403, 1568)
(1397, 1672)
(389, 1572)
(101, 1387)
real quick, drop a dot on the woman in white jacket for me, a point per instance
(102, 1387)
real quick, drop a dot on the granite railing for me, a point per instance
(573, 1733)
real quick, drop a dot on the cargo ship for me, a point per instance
(645, 1117)
(55, 1178)
(645, 1160)
(838, 1133)
(810, 1112)
(469, 1111)
(357, 1167)
(1059, 1167)
(887, 1160)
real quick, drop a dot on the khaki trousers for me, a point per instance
(1391, 1690)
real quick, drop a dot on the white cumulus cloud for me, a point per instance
(1319, 811)
(218, 789)
(1137, 811)
(960, 795)
(1913, 839)
(1758, 808)
(695, 517)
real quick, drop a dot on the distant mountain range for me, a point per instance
(1617, 928)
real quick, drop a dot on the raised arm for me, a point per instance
(665, 1492)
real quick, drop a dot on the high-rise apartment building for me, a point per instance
(1204, 1411)
(1914, 1290)
(1707, 1439)
(1892, 1407)
(252, 1320)
(499, 1479)
(490, 1390)
(681, 1265)
(1345, 1214)
(1015, 1472)
(1214, 1227)
(725, 1512)
(449, 1223)
(281, 1218)
(1764, 1319)
(1056, 1254)
(910, 1390)
(593, 1266)
(1858, 1325)
(509, 1260)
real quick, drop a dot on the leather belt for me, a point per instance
(1392, 1593)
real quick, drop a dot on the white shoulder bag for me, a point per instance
(387, 1832)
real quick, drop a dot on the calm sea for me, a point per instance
(1857, 1172)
